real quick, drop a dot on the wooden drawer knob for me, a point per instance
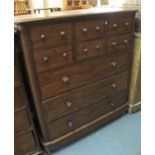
(97, 28)
(68, 104)
(114, 43)
(126, 41)
(112, 105)
(45, 59)
(70, 124)
(126, 23)
(62, 33)
(113, 86)
(85, 50)
(84, 29)
(97, 46)
(65, 79)
(64, 54)
(114, 25)
(42, 36)
(113, 64)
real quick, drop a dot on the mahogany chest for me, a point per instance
(78, 69)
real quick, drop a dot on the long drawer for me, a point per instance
(71, 101)
(65, 79)
(75, 120)
(25, 144)
(21, 123)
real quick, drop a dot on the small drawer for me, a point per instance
(24, 144)
(21, 121)
(86, 115)
(79, 98)
(19, 98)
(55, 82)
(87, 30)
(53, 58)
(90, 49)
(51, 35)
(120, 43)
(120, 24)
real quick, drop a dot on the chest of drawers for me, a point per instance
(78, 69)
(25, 138)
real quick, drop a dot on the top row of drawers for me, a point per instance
(61, 34)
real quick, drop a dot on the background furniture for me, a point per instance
(78, 68)
(25, 141)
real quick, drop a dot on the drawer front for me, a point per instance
(120, 43)
(19, 98)
(75, 120)
(90, 49)
(51, 35)
(74, 76)
(120, 24)
(52, 58)
(89, 30)
(79, 98)
(21, 121)
(24, 144)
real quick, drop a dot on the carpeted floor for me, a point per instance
(120, 137)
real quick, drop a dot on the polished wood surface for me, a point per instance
(92, 77)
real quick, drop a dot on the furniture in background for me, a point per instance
(25, 138)
(21, 7)
(135, 85)
(75, 4)
(78, 69)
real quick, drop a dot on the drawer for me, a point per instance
(24, 144)
(87, 30)
(19, 98)
(79, 98)
(90, 49)
(52, 58)
(120, 43)
(120, 24)
(51, 35)
(21, 121)
(74, 76)
(86, 115)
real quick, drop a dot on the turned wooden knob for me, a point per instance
(65, 79)
(97, 46)
(126, 23)
(64, 54)
(84, 29)
(113, 64)
(62, 33)
(114, 43)
(70, 124)
(45, 59)
(114, 25)
(113, 86)
(97, 28)
(68, 104)
(126, 41)
(43, 36)
(85, 50)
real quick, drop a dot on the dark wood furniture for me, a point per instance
(25, 139)
(78, 68)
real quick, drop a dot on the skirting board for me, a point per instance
(134, 107)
